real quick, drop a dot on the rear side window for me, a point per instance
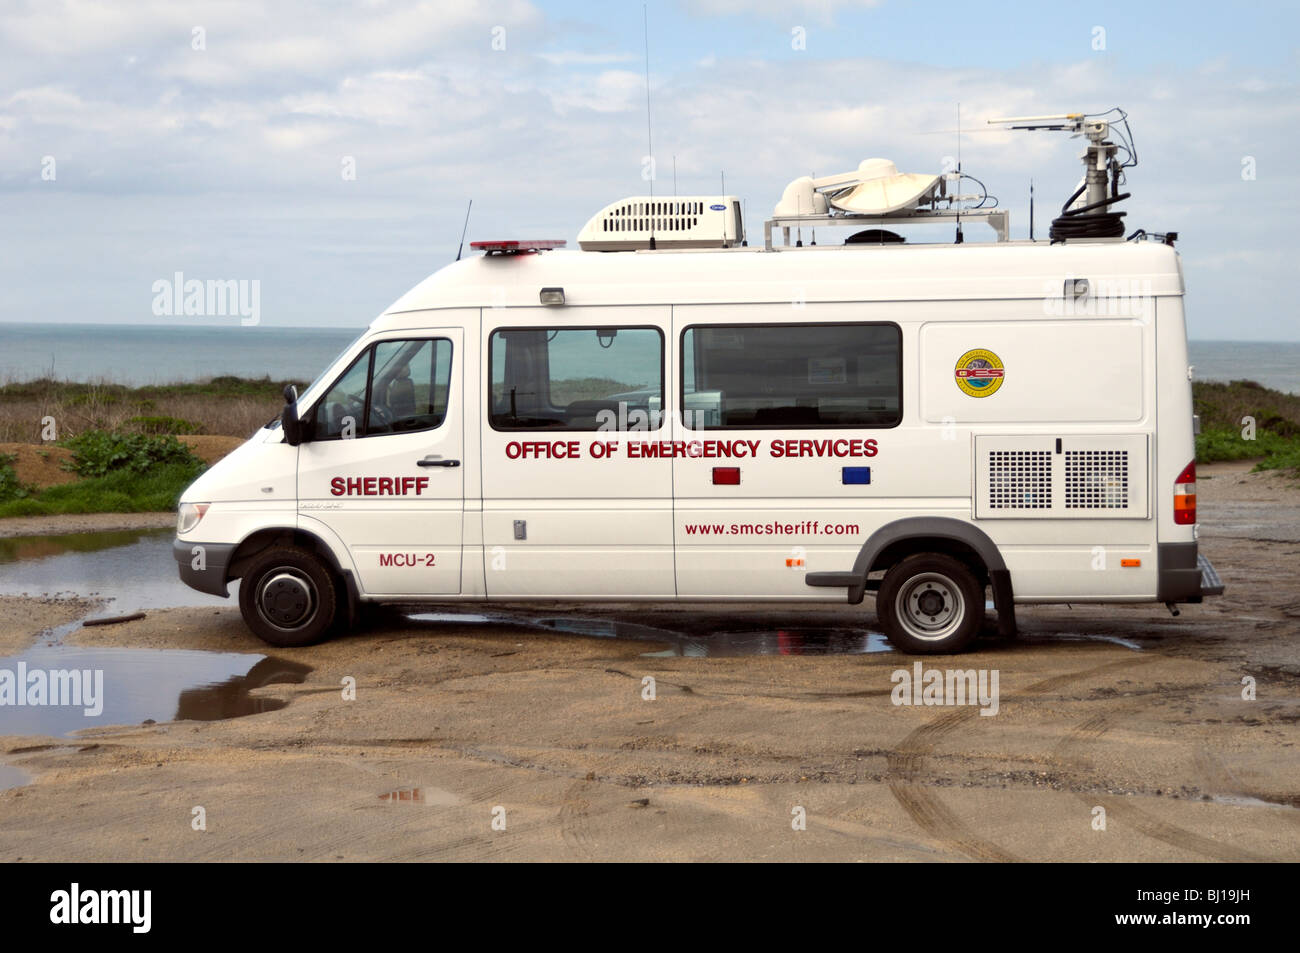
(802, 376)
(584, 379)
(392, 387)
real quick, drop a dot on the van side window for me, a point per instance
(803, 376)
(392, 387)
(586, 379)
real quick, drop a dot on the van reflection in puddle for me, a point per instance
(149, 685)
(791, 641)
(701, 643)
(231, 698)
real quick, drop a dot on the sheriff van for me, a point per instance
(670, 414)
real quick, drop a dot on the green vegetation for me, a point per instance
(163, 425)
(75, 392)
(119, 492)
(98, 453)
(225, 406)
(121, 473)
(1226, 412)
(10, 487)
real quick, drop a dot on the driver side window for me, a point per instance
(392, 387)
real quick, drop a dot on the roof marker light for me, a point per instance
(552, 296)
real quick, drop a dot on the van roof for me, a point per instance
(983, 271)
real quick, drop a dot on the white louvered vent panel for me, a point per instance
(1096, 480)
(1020, 479)
(1066, 478)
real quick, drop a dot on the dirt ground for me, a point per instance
(1123, 709)
(43, 466)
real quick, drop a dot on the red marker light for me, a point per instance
(517, 247)
(726, 476)
(1185, 496)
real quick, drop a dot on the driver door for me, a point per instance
(384, 466)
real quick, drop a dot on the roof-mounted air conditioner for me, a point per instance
(679, 221)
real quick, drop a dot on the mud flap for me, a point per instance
(1003, 602)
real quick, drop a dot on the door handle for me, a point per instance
(432, 461)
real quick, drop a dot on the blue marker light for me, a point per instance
(856, 475)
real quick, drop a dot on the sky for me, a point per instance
(328, 150)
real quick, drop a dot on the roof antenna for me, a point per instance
(959, 236)
(1031, 209)
(464, 230)
(650, 146)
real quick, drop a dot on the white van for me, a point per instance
(731, 424)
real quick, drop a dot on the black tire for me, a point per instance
(930, 604)
(289, 597)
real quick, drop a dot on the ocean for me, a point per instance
(150, 354)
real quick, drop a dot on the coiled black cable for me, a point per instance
(1088, 221)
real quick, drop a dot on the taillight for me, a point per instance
(1185, 496)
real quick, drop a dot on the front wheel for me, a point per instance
(288, 597)
(930, 604)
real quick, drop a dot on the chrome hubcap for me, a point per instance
(930, 607)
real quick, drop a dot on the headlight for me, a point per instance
(188, 516)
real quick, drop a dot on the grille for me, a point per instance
(666, 216)
(1096, 479)
(1020, 479)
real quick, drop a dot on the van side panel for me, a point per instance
(1062, 452)
(568, 513)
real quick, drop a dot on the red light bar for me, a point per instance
(512, 247)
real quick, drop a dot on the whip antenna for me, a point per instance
(464, 230)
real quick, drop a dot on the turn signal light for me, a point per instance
(1185, 496)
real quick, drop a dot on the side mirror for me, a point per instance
(289, 417)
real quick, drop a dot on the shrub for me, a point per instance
(163, 425)
(97, 453)
(10, 486)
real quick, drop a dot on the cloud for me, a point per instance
(791, 11)
(232, 157)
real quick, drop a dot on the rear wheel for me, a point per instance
(930, 604)
(288, 597)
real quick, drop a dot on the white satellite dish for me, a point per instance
(882, 189)
(875, 188)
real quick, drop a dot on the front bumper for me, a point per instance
(203, 565)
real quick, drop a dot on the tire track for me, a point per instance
(575, 817)
(1092, 729)
(907, 760)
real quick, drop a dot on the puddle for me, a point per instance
(1243, 800)
(130, 686)
(134, 569)
(723, 643)
(11, 777)
(1036, 639)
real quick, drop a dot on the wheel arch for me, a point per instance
(263, 539)
(895, 541)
